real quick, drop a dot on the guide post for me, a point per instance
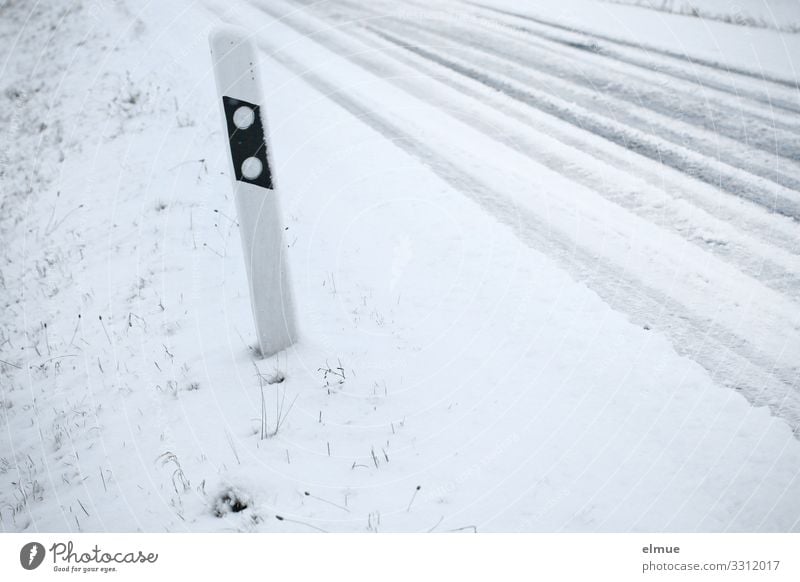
(257, 205)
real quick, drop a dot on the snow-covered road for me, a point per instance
(671, 187)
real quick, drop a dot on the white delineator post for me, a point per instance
(257, 206)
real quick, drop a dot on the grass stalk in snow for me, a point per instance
(441, 519)
(281, 410)
(178, 475)
(263, 410)
(233, 446)
(413, 497)
(281, 518)
(307, 494)
(474, 528)
(104, 329)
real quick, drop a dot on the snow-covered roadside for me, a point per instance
(438, 351)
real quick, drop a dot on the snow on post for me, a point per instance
(257, 206)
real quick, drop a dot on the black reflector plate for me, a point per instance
(247, 143)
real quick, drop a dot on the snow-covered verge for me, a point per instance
(781, 15)
(448, 377)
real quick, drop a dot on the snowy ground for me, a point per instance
(547, 278)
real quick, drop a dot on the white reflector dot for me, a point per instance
(244, 117)
(252, 168)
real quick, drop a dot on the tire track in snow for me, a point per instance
(781, 233)
(716, 66)
(733, 99)
(577, 73)
(656, 200)
(751, 180)
(729, 179)
(652, 199)
(704, 127)
(731, 359)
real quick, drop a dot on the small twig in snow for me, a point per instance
(472, 527)
(280, 518)
(437, 524)
(307, 494)
(104, 329)
(413, 497)
(74, 333)
(46, 339)
(233, 446)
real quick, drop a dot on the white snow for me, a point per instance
(507, 323)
